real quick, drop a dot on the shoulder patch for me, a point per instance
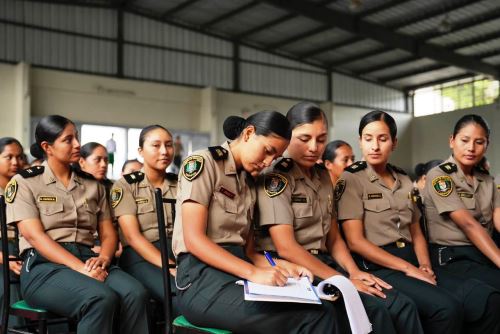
(116, 196)
(443, 185)
(134, 177)
(192, 167)
(356, 167)
(218, 152)
(339, 189)
(448, 167)
(171, 176)
(10, 191)
(274, 184)
(32, 171)
(398, 170)
(284, 164)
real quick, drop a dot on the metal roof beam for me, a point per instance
(384, 35)
(265, 26)
(229, 14)
(479, 56)
(178, 8)
(277, 21)
(439, 81)
(295, 38)
(352, 58)
(400, 24)
(394, 63)
(329, 47)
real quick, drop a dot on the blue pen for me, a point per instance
(269, 259)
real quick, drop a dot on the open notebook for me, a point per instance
(302, 291)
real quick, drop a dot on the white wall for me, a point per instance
(431, 134)
(96, 99)
(15, 101)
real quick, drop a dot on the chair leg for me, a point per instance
(42, 326)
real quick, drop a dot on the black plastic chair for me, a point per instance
(180, 324)
(40, 318)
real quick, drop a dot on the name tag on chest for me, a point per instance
(141, 200)
(47, 198)
(465, 195)
(299, 199)
(375, 196)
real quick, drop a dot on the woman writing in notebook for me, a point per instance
(213, 239)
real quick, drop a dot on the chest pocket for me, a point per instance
(145, 208)
(51, 209)
(230, 206)
(469, 202)
(376, 205)
(303, 210)
(91, 208)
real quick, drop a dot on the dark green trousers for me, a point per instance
(440, 312)
(15, 291)
(480, 285)
(95, 305)
(395, 314)
(148, 274)
(209, 297)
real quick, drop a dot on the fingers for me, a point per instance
(382, 283)
(374, 292)
(279, 278)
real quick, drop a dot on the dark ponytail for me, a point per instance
(305, 113)
(48, 129)
(265, 123)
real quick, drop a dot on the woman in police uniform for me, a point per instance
(57, 211)
(11, 156)
(462, 206)
(213, 240)
(299, 217)
(380, 222)
(338, 155)
(133, 203)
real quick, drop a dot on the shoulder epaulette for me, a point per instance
(481, 169)
(218, 152)
(83, 174)
(448, 167)
(32, 171)
(284, 164)
(356, 167)
(171, 176)
(134, 177)
(397, 169)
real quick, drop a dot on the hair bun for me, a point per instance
(233, 126)
(36, 151)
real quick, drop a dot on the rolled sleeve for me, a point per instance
(24, 205)
(350, 200)
(443, 204)
(275, 210)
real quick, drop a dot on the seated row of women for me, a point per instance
(233, 203)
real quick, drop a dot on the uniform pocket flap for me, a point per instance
(51, 209)
(378, 205)
(145, 208)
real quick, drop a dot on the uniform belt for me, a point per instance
(315, 251)
(401, 243)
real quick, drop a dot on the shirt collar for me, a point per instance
(49, 177)
(229, 164)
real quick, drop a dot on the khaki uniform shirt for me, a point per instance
(138, 199)
(305, 204)
(67, 214)
(447, 192)
(386, 213)
(228, 195)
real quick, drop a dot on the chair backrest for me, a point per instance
(5, 261)
(164, 246)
